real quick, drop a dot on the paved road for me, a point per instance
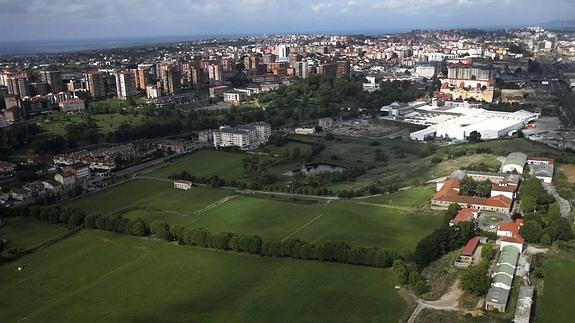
(564, 205)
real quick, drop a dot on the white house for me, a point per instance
(182, 185)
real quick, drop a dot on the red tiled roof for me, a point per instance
(513, 228)
(464, 215)
(471, 245)
(449, 193)
(503, 188)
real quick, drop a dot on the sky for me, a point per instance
(113, 19)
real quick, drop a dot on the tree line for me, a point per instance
(329, 251)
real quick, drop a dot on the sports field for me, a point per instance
(357, 223)
(149, 194)
(556, 303)
(206, 163)
(98, 276)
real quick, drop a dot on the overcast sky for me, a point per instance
(85, 19)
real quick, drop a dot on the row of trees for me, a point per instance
(331, 251)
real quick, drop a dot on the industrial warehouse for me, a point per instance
(457, 121)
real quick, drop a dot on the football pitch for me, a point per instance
(357, 223)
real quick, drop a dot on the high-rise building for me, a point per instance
(343, 69)
(54, 80)
(282, 52)
(125, 84)
(269, 58)
(18, 85)
(215, 74)
(170, 78)
(327, 69)
(143, 76)
(302, 69)
(96, 83)
(294, 58)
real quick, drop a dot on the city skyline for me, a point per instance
(106, 19)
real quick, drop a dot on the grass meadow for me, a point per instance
(97, 276)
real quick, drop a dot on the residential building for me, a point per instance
(53, 79)
(246, 137)
(234, 97)
(327, 69)
(343, 70)
(125, 84)
(67, 179)
(302, 69)
(72, 106)
(96, 83)
(152, 91)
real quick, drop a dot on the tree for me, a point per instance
(483, 188)
(139, 228)
(528, 203)
(476, 280)
(474, 137)
(531, 231)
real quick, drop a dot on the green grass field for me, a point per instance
(107, 122)
(370, 226)
(26, 232)
(98, 276)
(410, 198)
(358, 224)
(149, 194)
(555, 305)
(291, 145)
(206, 163)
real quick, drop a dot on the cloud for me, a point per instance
(102, 18)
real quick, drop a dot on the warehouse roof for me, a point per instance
(515, 158)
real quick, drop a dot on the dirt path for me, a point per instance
(447, 302)
(215, 204)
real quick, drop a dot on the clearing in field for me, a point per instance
(206, 163)
(556, 303)
(105, 277)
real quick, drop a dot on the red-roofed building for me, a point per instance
(471, 246)
(508, 234)
(449, 193)
(465, 215)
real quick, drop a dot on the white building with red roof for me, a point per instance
(465, 215)
(508, 234)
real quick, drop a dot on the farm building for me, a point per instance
(503, 274)
(541, 167)
(514, 162)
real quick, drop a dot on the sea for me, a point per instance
(31, 47)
